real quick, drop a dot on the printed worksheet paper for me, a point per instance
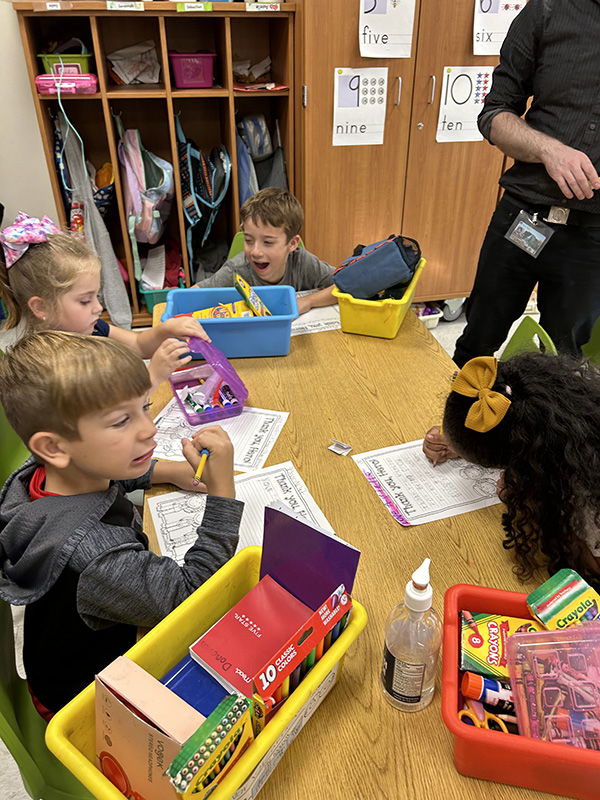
(414, 491)
(177, 515)
(253, 433)
(317, 320)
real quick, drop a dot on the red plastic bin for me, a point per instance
(193, 70)
(492, 755)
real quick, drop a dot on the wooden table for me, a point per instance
(372, 393)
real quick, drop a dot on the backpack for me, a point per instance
(204, 184)
(387, 265)
(147, 189)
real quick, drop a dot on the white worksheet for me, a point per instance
(491, 23)
(462, 95)
(316, 320)
(385, 28)
(176, 515)
(414, 491)
(253, 433)
(359, 101)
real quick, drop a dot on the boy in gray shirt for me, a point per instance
(72, 548)
(271, 223)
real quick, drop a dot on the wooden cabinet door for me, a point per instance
(451, 188)
(350, 194)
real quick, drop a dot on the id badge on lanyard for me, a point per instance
(529, 233)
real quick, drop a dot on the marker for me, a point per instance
(336, 631)
(319, 650)
(310, 658)
(285, 688)
(295, 677)
(303, 667)
(226, 396)
(204, 454)
(278, 695)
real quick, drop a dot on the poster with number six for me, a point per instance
(463, 92)
(491, 23)
(359, 101)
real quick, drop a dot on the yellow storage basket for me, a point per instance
(71, 732)
(376, 317)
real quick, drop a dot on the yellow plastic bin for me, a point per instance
(71, 733)
(376, 317)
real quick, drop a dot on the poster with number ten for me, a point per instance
(463, 92)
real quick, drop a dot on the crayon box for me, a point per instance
(564, 599)
(483, 640)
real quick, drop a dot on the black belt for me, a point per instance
(582, 218)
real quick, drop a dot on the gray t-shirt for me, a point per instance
(303, 271)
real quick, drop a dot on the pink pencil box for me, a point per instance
(211, 373)
(68, 84)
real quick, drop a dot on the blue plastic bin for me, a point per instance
(241, 337)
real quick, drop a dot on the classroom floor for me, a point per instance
(446, 334)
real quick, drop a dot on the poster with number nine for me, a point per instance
(463, 92)
(491, 23)
(359, 101)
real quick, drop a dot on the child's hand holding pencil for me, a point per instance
(210, 453)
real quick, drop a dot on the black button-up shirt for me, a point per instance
(551, 53)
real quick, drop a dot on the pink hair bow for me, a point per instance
(25, 230)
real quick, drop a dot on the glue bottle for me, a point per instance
(413, 635)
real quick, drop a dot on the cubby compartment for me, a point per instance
(206, 121)
(49, 33)
(257, 38)
(198, 36)
(116, 33)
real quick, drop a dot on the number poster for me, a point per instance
(359, 102)
(463, 92)
(491, 23)
(386, 28)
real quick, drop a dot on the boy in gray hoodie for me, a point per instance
(72, 548)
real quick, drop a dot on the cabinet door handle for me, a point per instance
(399, 90)
(432, 89)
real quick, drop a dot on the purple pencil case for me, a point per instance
(224, 392)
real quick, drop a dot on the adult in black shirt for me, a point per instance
(552, 54)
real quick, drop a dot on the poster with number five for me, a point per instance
(491, 23)
(463, 92)
(386, 28)
(359, 101)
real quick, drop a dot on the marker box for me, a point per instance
(228, 393)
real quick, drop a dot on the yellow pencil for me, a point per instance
(204, 453)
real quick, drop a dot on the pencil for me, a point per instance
(204, 453)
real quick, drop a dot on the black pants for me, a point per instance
(568, 273)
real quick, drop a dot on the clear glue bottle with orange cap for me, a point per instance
(413, 636)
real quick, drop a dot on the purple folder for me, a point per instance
(307, 561)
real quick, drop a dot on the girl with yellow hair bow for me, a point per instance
(536, 417)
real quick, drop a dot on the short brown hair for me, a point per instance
(50, 379)
(48, 270)
(275, 207)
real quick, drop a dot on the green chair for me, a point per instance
(524, 340)
(592, 349)
(22, 729)
(237, 245)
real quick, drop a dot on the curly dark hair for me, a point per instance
(548, 445)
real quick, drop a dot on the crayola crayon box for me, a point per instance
(213, 749)
(483, 639)
(564, 599)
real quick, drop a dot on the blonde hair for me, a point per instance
(50, 379)
(275, 207)
(46, 270)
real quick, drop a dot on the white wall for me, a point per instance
(24, 180)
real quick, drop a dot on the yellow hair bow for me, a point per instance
(476, 379)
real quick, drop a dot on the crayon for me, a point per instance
(468, 617)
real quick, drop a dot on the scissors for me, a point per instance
(475, 714)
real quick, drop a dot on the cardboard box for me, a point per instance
(140, 728)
